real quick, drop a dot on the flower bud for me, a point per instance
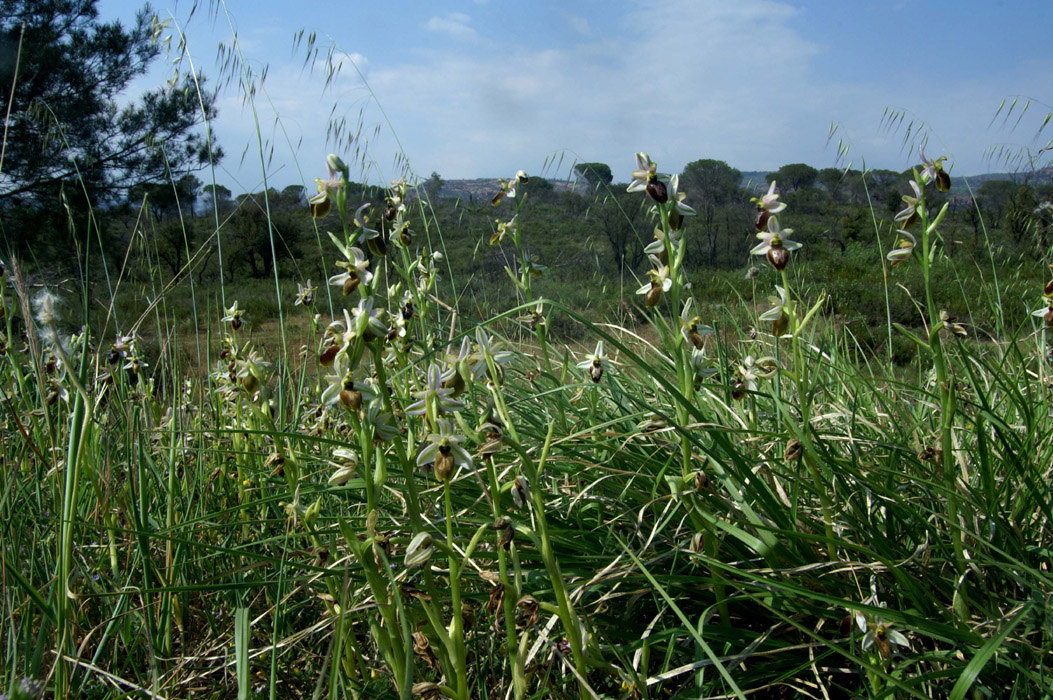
(419, 550)
(335, 163)
(342, 475)
(519, 492)
(506, 532)
(310, 516)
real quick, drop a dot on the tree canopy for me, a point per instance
(595, 174)
(67, 128)
(794, 176)
(710, 182)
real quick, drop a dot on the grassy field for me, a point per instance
(563, 445)
(415, 491)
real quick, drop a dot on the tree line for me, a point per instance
(79, 168)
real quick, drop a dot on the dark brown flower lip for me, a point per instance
(657, 190)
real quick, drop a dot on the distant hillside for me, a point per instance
(1043, 176)
(482, 189)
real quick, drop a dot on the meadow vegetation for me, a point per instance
(669, 438)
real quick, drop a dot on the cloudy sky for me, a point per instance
(482, 88)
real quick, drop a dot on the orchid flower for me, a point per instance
(646, 178)
(777, 315)
(909, 215)
(321, 203)
(775, 244)
(934, 172)
(596, 363)
(445, 452)
(905, 249)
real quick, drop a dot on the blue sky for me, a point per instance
(482, 88)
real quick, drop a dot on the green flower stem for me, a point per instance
(945, 384)
(524, 269)
(685, 378)
(365, 444)
(406, 458)
(392, 646)
(511, 593)
(559, 591)
(401, 449)
(511, 590)
(566, 608)
(456, 615)
(686, 385)
(810, 459)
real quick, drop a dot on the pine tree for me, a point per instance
(69, 145)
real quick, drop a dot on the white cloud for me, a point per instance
(681, 80)
(454, 24)
(678, 82)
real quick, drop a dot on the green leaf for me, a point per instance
(968, 677)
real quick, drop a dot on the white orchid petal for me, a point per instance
(427, 455)
(896, 637)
